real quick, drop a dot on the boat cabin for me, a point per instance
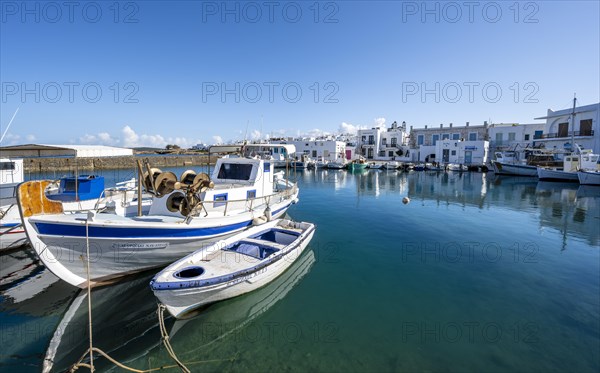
(83, 187)
(11, 174)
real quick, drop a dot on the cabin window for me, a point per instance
(267, 167)
(220, 200)
(235, 171)
(585, 127)
(7, 166)
(251, 194)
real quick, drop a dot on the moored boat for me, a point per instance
(185, 214)
(392, 165)
(589, 177)
(234, 266)
(357, 165)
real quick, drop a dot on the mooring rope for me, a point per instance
(163, 332)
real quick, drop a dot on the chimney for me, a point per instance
(411, 128)
(450, 124)
(467, 124)
(485, 124)
(441, 125)
(425, 126)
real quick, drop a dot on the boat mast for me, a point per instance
(573, 124)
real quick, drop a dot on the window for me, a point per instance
(538, 134)
(511, 136)
(220, 200)
(563, 130)
(527, 137)
(371, 140)
(384, 141)
(314, 154)
(453, 152)
(456, 136)
(364, 138)
(394, 141)
(276, 150)
(473, 136)
(420, 139)
(267, 166)
(499, 138)
(391, 153)
(585, 127)
(251, 194)
(434, 139)
(7, 166)
(446, 136)
(235, 171)
(370, 153)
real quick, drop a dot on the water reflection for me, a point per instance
(126, 326)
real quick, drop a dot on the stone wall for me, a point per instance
(111, 163)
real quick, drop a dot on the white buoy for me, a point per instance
(405, 200)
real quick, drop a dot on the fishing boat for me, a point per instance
(456, 167)
(589, 177)
(234, 266)
(81, 193)
(580, 160)
(337, 165)
(357, 165)
(184, 215)
(392, 165)
(375, 166)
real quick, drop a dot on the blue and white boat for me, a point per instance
(185, 214)
(12, 234)
(232, 267)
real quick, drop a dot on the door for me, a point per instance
(446, 155)
(468, 156)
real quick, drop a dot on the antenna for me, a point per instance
(246, 134)
(9, 123)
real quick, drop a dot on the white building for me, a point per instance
(559, 129)
(384, 143)
(78, 151)
(514, 136)
(328, 150)
(462, 152)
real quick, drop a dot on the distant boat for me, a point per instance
(357, 165)
(582, 160)
(392, 165)
(336, 165)
(375, 166)
(456, 167)
(235, 266)
(589, 177)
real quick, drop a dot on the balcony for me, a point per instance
(561, 136)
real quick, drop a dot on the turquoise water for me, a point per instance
(476, 273)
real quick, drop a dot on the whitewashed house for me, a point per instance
(559, 131)
(385, 144)
(469, 153)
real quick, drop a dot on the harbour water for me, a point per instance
(476, 273)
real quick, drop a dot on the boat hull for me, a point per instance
(549, 174)
(357, 166)
(181, 301)
(514, 169)
(12, 234)
(589, 177)
(120, 246)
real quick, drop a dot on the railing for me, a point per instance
(555, 135)
(246, 205)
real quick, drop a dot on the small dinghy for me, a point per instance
(231, 267)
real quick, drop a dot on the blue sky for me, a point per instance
(151, 73)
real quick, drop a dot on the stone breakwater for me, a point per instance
(112, 163)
